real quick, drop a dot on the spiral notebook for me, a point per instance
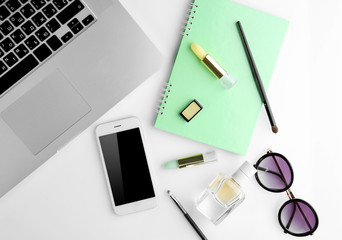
(228, 117)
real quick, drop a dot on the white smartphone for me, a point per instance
(125, 162)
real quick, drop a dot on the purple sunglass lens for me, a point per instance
(275, 173)
(298, 217)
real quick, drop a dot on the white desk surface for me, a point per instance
(67, 197)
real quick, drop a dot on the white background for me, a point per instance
(67, 197)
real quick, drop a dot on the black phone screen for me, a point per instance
(126, 165)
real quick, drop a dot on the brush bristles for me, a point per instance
(274, 129)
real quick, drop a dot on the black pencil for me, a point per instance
(187, 216)
(257, 79)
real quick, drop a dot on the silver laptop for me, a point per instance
(63, 63)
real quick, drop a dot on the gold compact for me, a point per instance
(191, 110)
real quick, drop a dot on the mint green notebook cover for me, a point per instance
(228, 117)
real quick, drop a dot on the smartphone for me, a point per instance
(126, 166)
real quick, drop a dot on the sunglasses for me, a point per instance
(275, 174)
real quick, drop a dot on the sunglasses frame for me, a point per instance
(269, 154)
(289, 194)
(298, 234)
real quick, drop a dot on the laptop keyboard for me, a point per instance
(31, 31)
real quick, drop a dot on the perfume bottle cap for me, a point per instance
(244, 173)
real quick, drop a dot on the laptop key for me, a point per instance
(70, 11)
(39, 19)
(7, 44)
(77, 28)
(3, 67)
(6, 27)
(42, 52)
(27, 10)
(53, 25)
(88, 20)
(60, 3)
(32, 42)
(17, 36)
(42, 34)
(4, 13)
(28, 27)
(10, 59)
(17, 19)
(38, 4)
(73, 23)
(54, 42)
(1, 53)
(21, 51)
(17, 72)
(49, 10)
(67, 37)
(13, 5)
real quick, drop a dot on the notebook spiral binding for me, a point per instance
(190, 18)
(162, 102)
(186, 32)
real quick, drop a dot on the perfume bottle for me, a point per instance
(224, 194)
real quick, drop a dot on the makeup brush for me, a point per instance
(257, 79)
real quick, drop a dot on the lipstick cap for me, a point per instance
(210, 156)
(227, 81)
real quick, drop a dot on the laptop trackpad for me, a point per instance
(45, 112)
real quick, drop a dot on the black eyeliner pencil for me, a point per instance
(187, 216)
(257, 79)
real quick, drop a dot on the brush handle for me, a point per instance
(256, 75)
(187, 216)
(269, 112)
(194, 225)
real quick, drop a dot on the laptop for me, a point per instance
(63, 64)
